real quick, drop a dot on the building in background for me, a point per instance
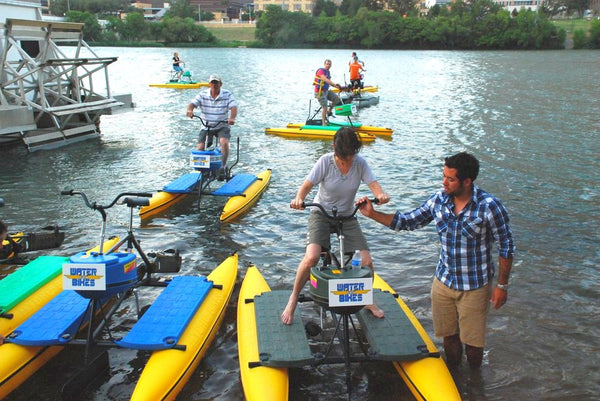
(288, 5)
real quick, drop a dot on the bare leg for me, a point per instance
(373, 308)
(224, 150)
(323, 115)
(302, 273)
(453, 349)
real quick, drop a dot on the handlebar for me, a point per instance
(205, 123)
(131, 202)
(333, 214)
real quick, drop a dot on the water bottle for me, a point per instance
(356, 260)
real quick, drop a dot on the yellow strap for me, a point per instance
(320, 84)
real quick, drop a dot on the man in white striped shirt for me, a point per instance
(219, 111)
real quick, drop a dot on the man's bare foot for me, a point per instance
(375, 310)
(287, 316)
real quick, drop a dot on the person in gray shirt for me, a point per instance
(338, 175)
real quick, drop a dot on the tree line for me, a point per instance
(475, 24)
(480, 24)
(135, 30)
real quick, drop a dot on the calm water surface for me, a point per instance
(531, 118)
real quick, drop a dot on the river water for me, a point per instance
(530, 117)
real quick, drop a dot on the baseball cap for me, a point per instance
(215, 77)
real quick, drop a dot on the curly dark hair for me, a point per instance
(346, 142)
(466, 164)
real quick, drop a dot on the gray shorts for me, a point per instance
(320, 229)
(327, 95)
(223, 132)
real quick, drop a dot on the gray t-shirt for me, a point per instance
(336, 189)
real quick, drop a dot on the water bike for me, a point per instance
(177, 327)
(314, 129)
(358, 97)
(185, 82)
(243, 189)
(267, 347)
(368, 88)
(356, 94)
(21, 242)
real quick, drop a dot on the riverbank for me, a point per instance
(232, 32)
(245, 32)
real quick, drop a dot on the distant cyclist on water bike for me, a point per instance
(322, 93)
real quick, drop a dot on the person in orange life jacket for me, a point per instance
(322, 93)
(355, 75)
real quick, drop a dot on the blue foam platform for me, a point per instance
(54, 324)
(184, 184)
(236, 186)
(165, 321)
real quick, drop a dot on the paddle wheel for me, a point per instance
(49, 98)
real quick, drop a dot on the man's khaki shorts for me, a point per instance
(460, 312)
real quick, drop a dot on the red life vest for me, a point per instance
(319, 84)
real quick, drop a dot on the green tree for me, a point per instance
(579, 39)
(595, 34)
(477, 24)
(181, 9)
(324, 6)
(92, 31)
(134, 28)
(113, 28)
(279, 28)
(403, 6)
(553, 7)
(350, 7)
(178, 30)
(60, 7)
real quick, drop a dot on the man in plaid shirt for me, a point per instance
(468, 221)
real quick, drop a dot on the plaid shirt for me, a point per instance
(466, 256)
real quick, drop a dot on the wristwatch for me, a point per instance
(502, 286)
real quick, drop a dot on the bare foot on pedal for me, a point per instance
(375, 310)
(287, 316)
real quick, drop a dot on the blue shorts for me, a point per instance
(177, 68)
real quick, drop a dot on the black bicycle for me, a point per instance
(165, 262)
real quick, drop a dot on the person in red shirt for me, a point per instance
(321, 83)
